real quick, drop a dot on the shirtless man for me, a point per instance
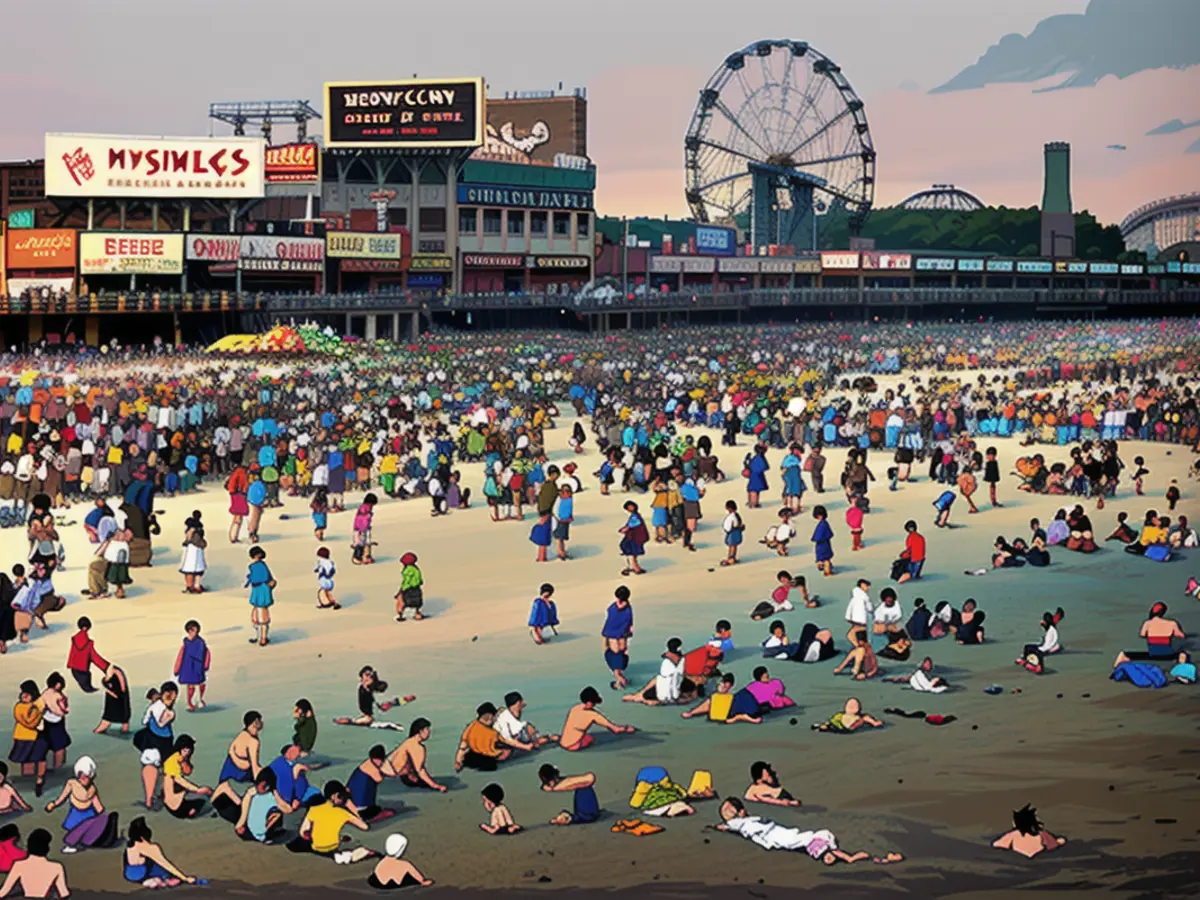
(241, 764)
(36, 875)
(582, 716)
(1027, 836)
(408, 760)
(765, 787)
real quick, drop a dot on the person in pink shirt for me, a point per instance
(769, 692)
(854, 521)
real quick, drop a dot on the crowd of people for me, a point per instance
(116, 430)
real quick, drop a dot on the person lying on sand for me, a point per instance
(582, 716)
(1028, 836)
(727, 706)
(851, 718)
(765, 788)
(586, 806)
(770, 835)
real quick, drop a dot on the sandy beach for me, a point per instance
(1111, 767)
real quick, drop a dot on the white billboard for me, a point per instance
(102, 165)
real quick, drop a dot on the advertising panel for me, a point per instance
(293, 163)
(806, 266)
(1077, 268)
(271, 253)
(970, 265)
(127, 253)
(20, 218)
(1174, 268)
(431, 263)
(523, 198)
(54, 284)
(372, 265)
(1191, 268)
(102, 165)
(665, 264)
(493, 261)
(1155, 269)
(557, 262)
(839, 260)
(999, 265)
(775, 266)
(740, 265)
(1103, 268)
(360, 245)
(540, 130)
(881, 259)
(419, 112)
(224, 248)
(702, 265)
(41, 248)
(935, 264)
(1132, 268)
(715, 241)
(1034, 266)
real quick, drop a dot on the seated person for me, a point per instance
(765, 788)
(364, 781)
(1059, 531)
(10, 798)
(815, 644)
(585, 805)
(1028, 836)
(728, 706)
(1036, 553)
(321, 830)
(667, 687)
(722, 638)
(1159, 632)
(408, 760)
(924, 681)
(919, 621)
(1033, 655)
(1123, 532)
(899, 646)
(393, 872)
(769, 692)
(582, 716)
(176, 770)
(888, 614)
(500, 820)
(861, 657)
(480, 747)
(851, 718)
(291, 780)
(262, 810)
(970, 631)
(779, 601)
(509, 723)
(1081, 539)
(1004, 555)
(946, 620)
(770, 835)
(1182, 536)
(1184, 670)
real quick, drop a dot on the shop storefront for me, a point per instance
(493, 273)
(385, 254)
(40, 260)
(131, 261)
(556, 275)
(274, 263)
(737, 273)
(430, 272)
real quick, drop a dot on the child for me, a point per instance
(779, 536)
(501, 821)
(991, 474)
(1172, 494)
(1123, 532)
(564, 515)
(410, 595)
(325, 571)
(1139, 474)
(304, 731)
(261, 583)
(192, 664)
(779, 601)
(822, 539)
(942, 504)
(854, 521)
(893, 475)
(116, 554)
(733, 528)
(361, 542)
(320, 512)
(10, 799)
(544, 613)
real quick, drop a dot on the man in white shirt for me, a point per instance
(859, 609)
(509, 724)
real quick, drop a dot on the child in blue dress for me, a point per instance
(261, 584)
(633, 541)
(320, 512)
(325, 571)
(544, 613)
(822, 539)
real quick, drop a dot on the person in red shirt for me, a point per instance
(914, 552)
(83, 656)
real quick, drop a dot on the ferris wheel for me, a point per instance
(778, 135)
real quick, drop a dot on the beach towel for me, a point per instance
(1143, 675)
(1158, 553)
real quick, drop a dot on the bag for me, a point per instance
(899, 568)
(1158, 552)
(807, 464)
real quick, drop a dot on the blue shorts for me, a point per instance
(914, 568)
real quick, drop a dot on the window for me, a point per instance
(433, 218)
(398, 215)
(467, 218)
(562, 224)
(583, 224)
(537, 224)
(516, 223)
(491, 221)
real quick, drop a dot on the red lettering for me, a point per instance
(116, 159)
(135, 157)
(110, 246)
(241, 164)
(218, 166)
(198, 162)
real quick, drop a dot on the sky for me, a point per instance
(148, 67)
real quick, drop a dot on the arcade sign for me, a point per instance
(419, 112)
(293, 164)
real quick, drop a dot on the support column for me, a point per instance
(369, 331)
(414, 327)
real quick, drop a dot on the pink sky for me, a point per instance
(987, 141)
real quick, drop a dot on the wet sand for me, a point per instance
(1111, 767)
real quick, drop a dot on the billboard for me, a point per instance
(223, 248)
(363, 245)
(714, 241)
(881, 259)
(418, 112)
(523, 198)
(839, 261)
(20, 218)
(1034, 266)
(293, 163)
(273, 253)
(539, 130)
(1102, 268)
(999, 265)
(935, 264)
(970, 265)
(102, 165)
(41, 248)
(144, 253)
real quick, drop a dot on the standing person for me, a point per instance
(411, 594)
(544, 613)
(618, 629)
(192, 664)
(943, 504)
(29, 749)
(691, 492)
(859, 609)
(117, 708)
(991, 475)
(256, 498)
(585, 807)
(194, 565)
(756, 476)
(82, 656)
(325, 570)
(361, 541)
(261, 583)
(115, 552)
(967, 486)
(541, 535)
(320, 512)
(822, 539)
(36, 875)
(55, 708)
(633, 542)
(564, 515)
(816, 468)
(854, 521)
(734, 529)
(914, 553)
(237, 485)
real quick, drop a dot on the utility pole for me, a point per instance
(624, 257)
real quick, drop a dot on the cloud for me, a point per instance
(1112, 37)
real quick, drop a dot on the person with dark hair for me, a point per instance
(770, 835)
(861, 656)
(1028, 836)
(304, 731)
(500, 820)
(261, 816)
(364, 781)
(970, 631)
(582, 716)
(291, 782)
(29, 748)
(117, 706)
(668, 686)
(241, 762)
(53, 702)
(765, 787)
(10, 847)
(822, 539)
(919, 622)
(726, 705)
(408, 760)
(585, 808)
(1033, 656)
(370, 684)
(544, 613)
(262, 585)
(145, 863)
(633, 541)
(36, 875)
(480, 746)
(618, 629)
(321, 831)
(82, 656)
(192, 664)
(913, 554)
(510, 725)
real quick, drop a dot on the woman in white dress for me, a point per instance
(194, 545)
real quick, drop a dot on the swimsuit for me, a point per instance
(582, 744)
(231, 772)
